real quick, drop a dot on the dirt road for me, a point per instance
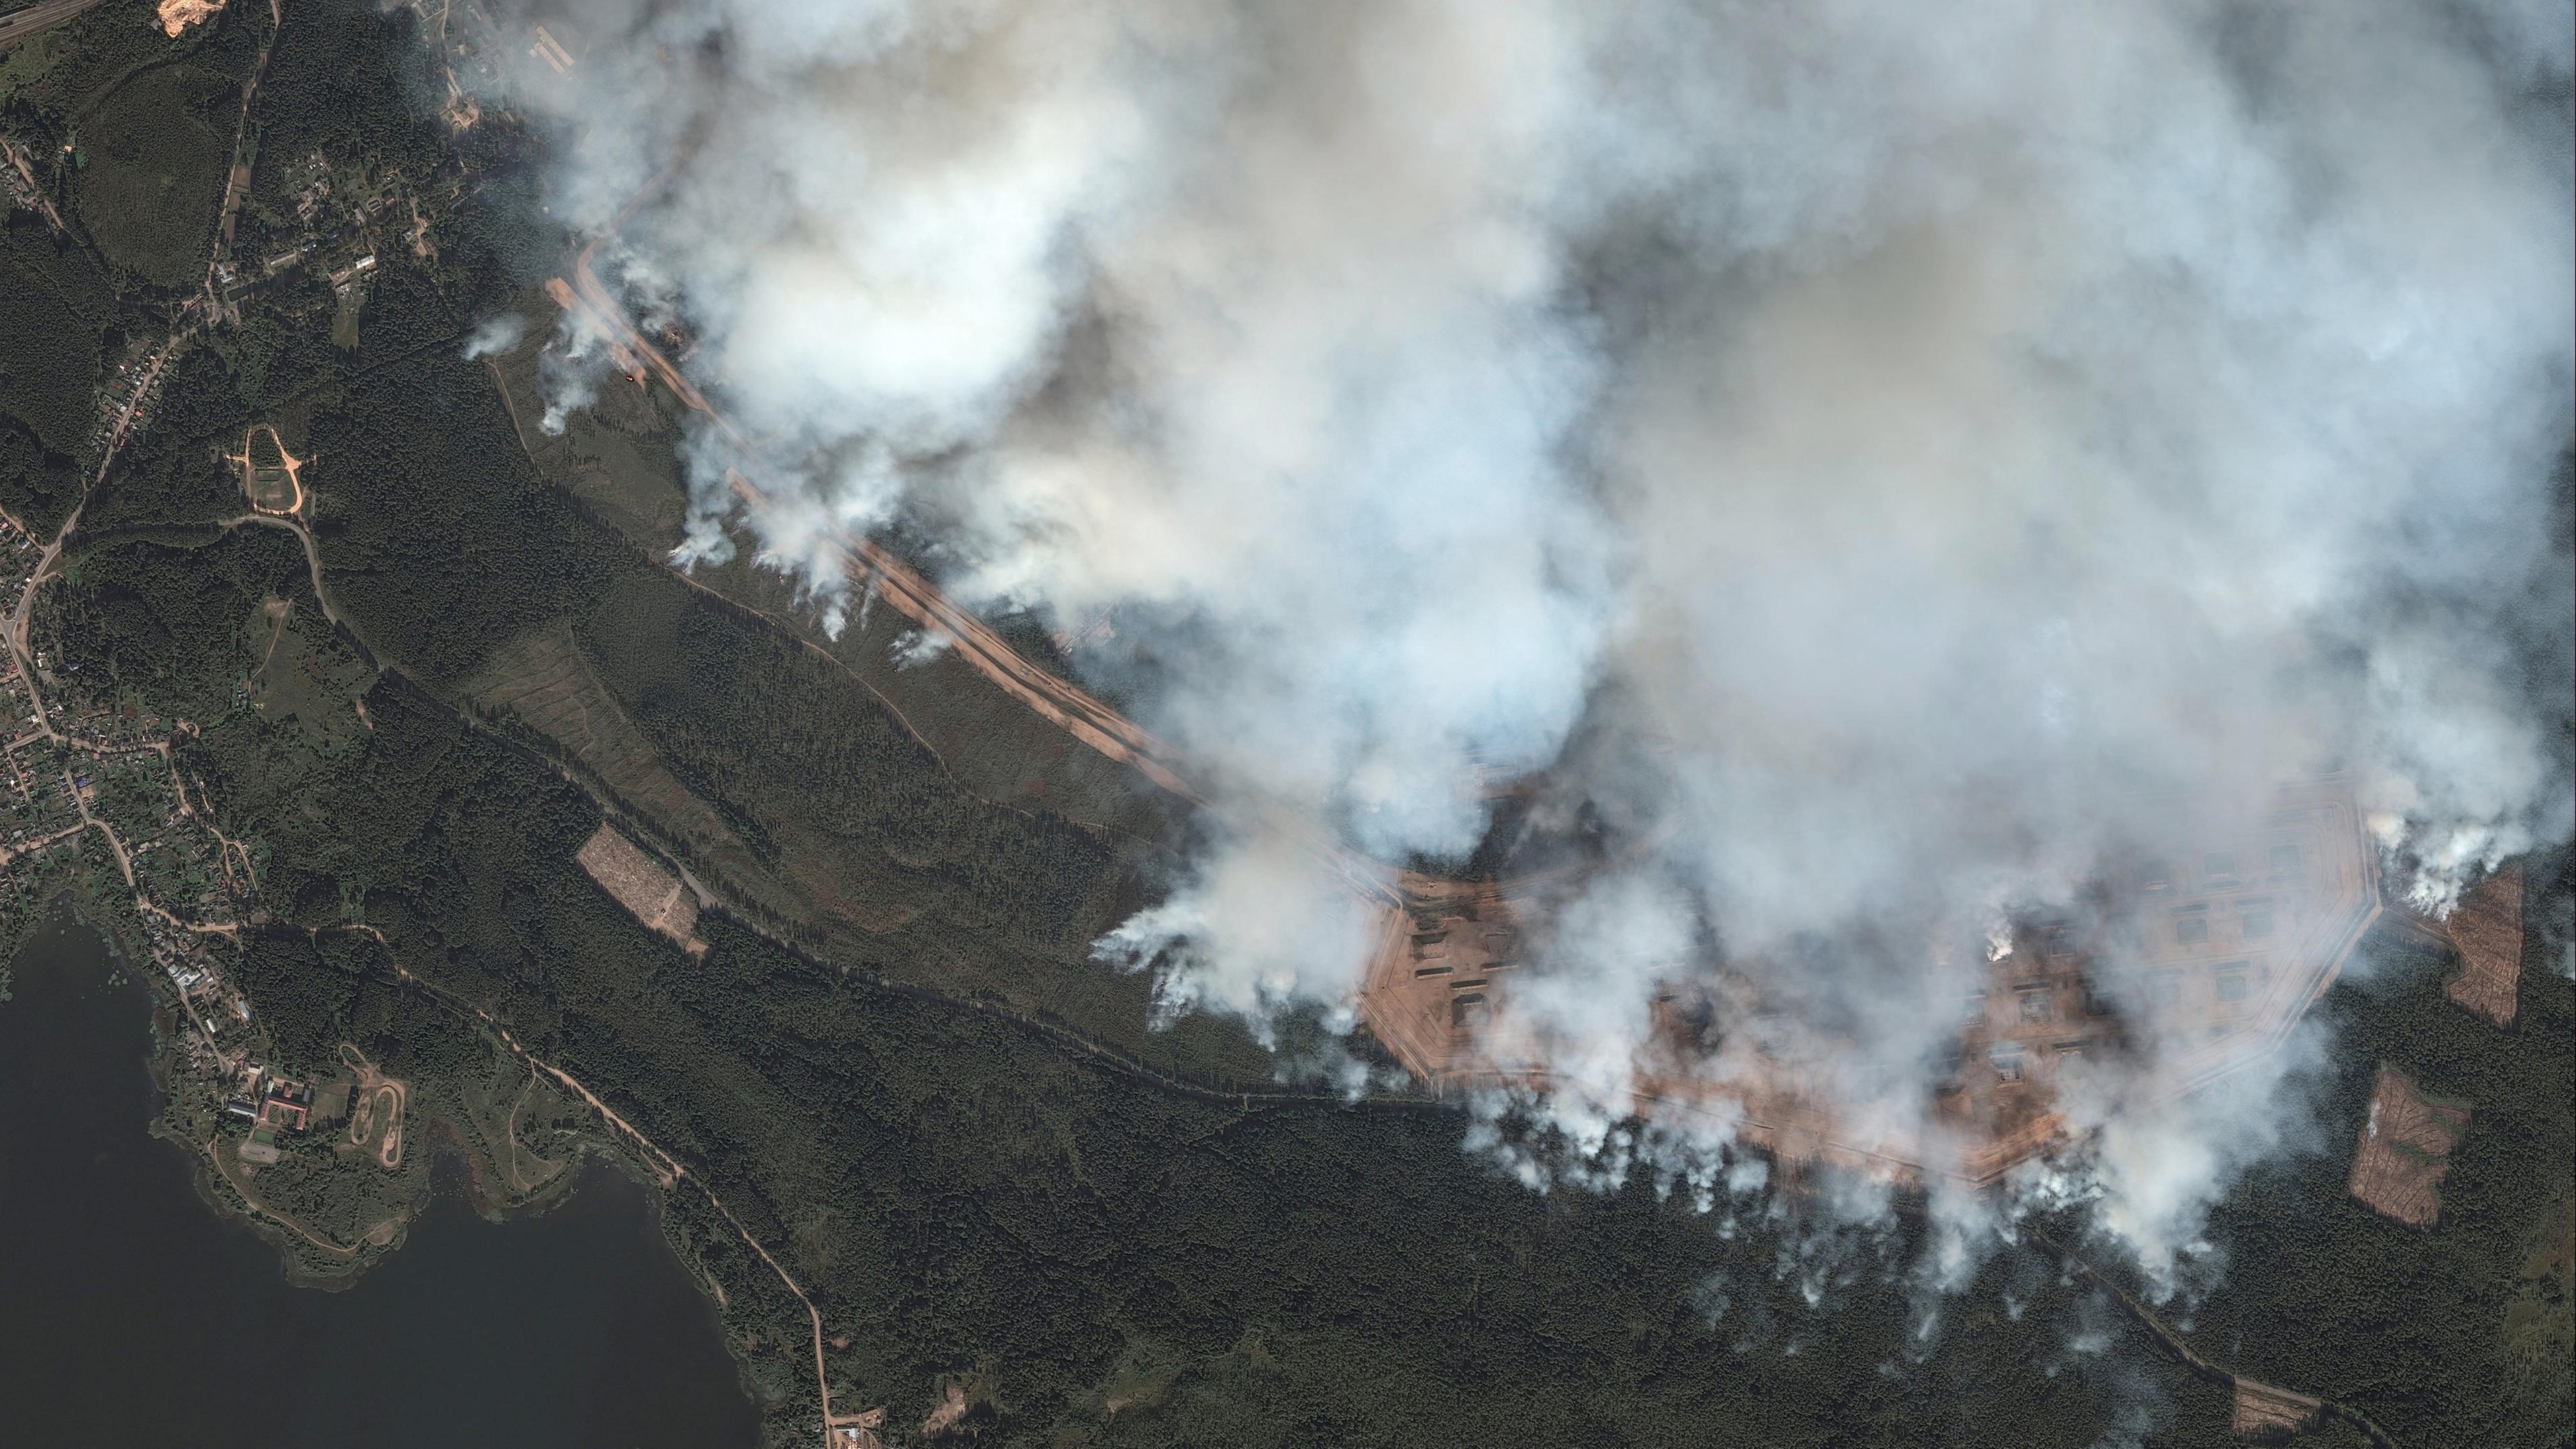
(237, 175)
(376, 1124)
(312, 554)
(1059, 701)
(251, 469)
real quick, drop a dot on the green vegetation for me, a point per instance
(2417, 1323)
(2540, 1319)
(68, 69)
(863, 1067)
(135, 132)
(619, 457)
(440, 541)
(1108, 1261)
(38, 485)
(154, 152)
(160, 619)
(61, 312)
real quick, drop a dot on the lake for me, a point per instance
(130, 1312)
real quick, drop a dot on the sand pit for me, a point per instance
(2268, 1415)
(2486, 929)
(178, 15)
(649, 893)
(2405, 1151)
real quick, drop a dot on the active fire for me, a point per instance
(2183, 968)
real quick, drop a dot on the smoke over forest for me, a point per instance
(1863, 459)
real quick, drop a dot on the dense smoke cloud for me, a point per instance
(1867, 449)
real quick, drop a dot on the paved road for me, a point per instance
(17, 25)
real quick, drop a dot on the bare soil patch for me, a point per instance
(2268, 1415)
(178, 15)
(2486, 929)
(2405, 1151)
(649, 893)
(272, 478)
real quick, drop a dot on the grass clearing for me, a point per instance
(269, 472)
(619, 456)
(311, 682)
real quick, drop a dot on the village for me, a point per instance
(345, 211)
(99, 790)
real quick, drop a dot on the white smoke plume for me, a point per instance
(495, 335)
(1866, 448)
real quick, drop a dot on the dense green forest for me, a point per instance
(2396, 1301)
(1106, 1260)
(62, 315)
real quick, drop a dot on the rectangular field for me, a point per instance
(2266, 1415)
(2405, 1151)
(2486, 929)
(649, 893)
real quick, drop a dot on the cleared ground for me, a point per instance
(2487, 931)
(649, 893)
(2405, 1151)
(376, 1120)
(2267, 1415)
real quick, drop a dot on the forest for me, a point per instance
(895, 1065)
(1100, 1258)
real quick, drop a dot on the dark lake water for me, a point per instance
(132, 1314)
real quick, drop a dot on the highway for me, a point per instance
(18, 24)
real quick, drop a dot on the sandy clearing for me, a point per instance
(178, 15)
